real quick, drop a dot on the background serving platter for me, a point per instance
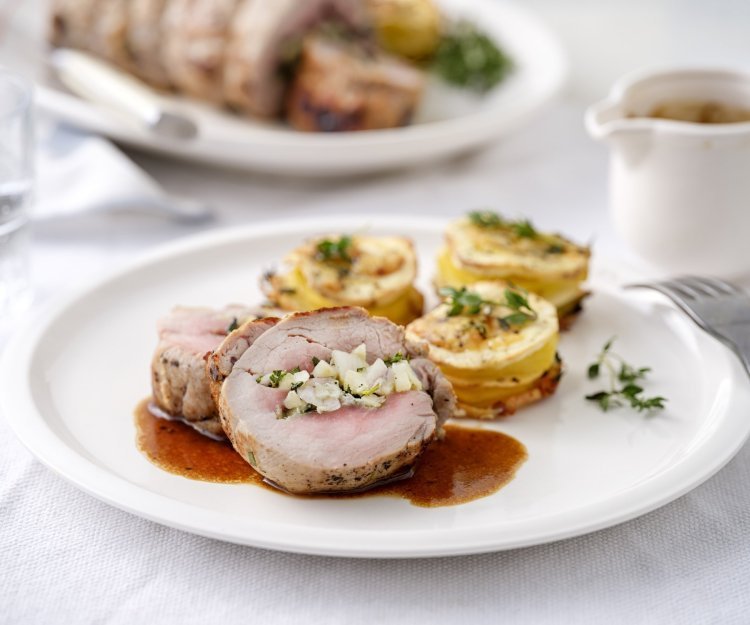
(450, 121)
(70, 381)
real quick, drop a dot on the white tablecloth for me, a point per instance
(67, 558)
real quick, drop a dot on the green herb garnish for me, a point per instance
(620, 371)
(315, 360)
(468, 58)
(486, 219)
(463, 302)
(335, 251)
(276, 377)
(555, 248)
(233, 326)
(397, 357)
(522, 310)
(522, 228)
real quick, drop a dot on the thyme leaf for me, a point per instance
(335, 251)
(490, 220)
(463, 302)
(629, 393)
(397, 357)
(522, 310)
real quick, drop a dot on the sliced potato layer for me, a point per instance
(546, 264)
(492, 363)
(373, 272)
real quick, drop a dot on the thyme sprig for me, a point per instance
(397, 357)
(464, 302)
(467, 57)
(522, 228)
(335, 250)
(522, 310)
(627, 391)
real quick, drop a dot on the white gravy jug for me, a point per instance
(679, 190)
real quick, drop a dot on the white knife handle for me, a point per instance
(103, 84)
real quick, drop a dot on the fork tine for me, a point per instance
(716, 286)
(678, 286)
(666, 288)
(687, 303)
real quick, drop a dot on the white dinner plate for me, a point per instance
(70, 381)
(448, 123)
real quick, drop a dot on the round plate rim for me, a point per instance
(373, 150)
(28, 424)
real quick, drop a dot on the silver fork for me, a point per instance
(720, 308)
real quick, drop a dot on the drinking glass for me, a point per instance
(16, 183)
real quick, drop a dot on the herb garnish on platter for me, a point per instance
(622, 382)
(468, 58)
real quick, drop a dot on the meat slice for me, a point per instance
(179, 381)
(221, 362)
(144, 40)
(342, 86)
(195, 39)
(71, 22)
(108, 37)
(347, 449)
(264, 34)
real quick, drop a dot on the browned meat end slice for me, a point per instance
(346, 449)
(180, 385)
(340, 87)
(262, 34)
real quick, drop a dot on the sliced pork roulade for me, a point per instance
(144, 40)
(195, 39)
(328, 401)
(71, 23)
(187, 337)
(268, 33)
(342, 86)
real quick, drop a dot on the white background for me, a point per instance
(67, 558)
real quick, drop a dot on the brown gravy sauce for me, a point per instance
(468, 464)
(700, 112)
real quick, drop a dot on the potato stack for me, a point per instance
(485, 246)
(374, 272)
(496, 344)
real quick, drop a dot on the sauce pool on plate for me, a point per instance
(468, 464)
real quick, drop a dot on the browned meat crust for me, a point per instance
(338, 87)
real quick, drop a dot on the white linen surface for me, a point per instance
(67, 558)
(83, 175)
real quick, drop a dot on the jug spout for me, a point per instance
(607, 121)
